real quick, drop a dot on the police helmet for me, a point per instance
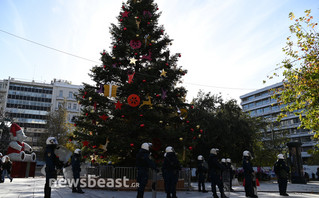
(1, 155)
(77, 151)
(146, 146)
(51, 141)
(223, 160)
(200, 157)
(280, 156)
(213, 151)
(169, 149)
(228, 160)
(246, 153)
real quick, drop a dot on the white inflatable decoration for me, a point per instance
(17, 146)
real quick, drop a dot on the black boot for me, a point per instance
(79, 190)
(174, 195)
(74, 190)
(215, 196)
(223, 195)
(47, 192)
(140, 194)
(168, 195)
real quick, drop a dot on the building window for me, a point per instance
(69, 105)
(74, 106)
(61, 93)
(70, 94)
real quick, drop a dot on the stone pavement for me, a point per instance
(33, 188)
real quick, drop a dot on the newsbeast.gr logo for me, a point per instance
(94, 183)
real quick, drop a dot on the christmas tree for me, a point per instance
(135, 97)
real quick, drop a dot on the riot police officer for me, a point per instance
(170, 168)
(230, 168)
(201, 174)
(248, 175)
(215, 171)
(76, 169)
(282, 172)
(52, 164)
(143, 163)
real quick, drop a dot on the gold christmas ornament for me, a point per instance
(90, 98)
(113, 57)
(197, 126)
(180, 139)
(163, 73)
(137, 35)
(152, 41)
(147, 102)
(161, 121)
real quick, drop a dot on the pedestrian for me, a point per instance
(250, 183)
(52, 164)
(143, 163)
(317, 173)
(215, 172)
(171, 167)
(201, 174)
(1, 168)
(76, 169)
(231, 175)
(6, 168)
(282, 171)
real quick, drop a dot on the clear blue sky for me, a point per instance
(225, 44)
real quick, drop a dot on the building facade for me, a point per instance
(28, 104)
(260, 104)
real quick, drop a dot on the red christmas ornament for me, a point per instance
(141, 115)
(142, 125)
(166, 64)
(192, 130)
(70, 140)
(122, 116)
(83, 96)
(94, 146)
(131, 145)
(125, 28)
(179, 55)
(125, 14)
(133, 100)
(84, 156)
(101, 157)
(190, 148)
(135, 44)
(144, 81)
(87, 114)
(201, 131)
(75, 125)
(114, 46)
(192, 107)
(135, 54)
(85, 143)
(187, 121)
(121, 19)
(104, 117)
(194, 138)
(85, 93)
(118, 105)
(104, 66)
(148, 23)
(157, 95)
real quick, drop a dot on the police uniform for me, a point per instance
(282, 171)
(143, 163)
(52, 163)
(170, 168)
(215, 171)
(248, 175)
(201, 171)
(76, 169)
